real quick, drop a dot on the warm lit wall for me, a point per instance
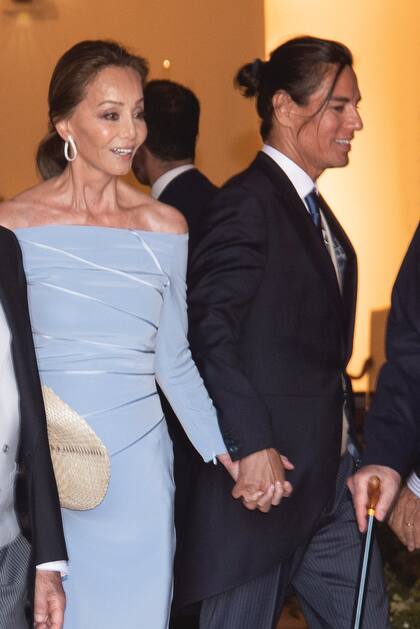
(377, 197)
(206, 43)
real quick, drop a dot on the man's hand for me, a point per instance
(405, 519)
(261, 482)
(50, 600)
(358, 484)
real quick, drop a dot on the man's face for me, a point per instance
(323, 140)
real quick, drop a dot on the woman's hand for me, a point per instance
(232, 467)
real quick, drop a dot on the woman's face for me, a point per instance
(323, 140)
(108, 124)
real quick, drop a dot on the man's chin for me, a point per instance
(340, 162)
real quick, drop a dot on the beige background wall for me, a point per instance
(206, 42)
(377, 197)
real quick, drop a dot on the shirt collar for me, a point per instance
(165, 179)
(298, 177)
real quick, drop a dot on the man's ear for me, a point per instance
(282, 107)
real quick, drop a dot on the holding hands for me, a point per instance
(261, 480)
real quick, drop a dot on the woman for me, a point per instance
(106, 274)
(271, 304)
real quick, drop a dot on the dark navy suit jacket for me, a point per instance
(392, 430)
(271, 335)
(190, 192)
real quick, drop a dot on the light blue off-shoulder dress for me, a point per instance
(108, 312)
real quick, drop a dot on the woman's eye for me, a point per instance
(111, 115)
(139, 115)
(339, 108)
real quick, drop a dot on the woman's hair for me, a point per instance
(297, 67)
(73, 72)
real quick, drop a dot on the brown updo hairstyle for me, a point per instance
(297, 67)
(73, 72)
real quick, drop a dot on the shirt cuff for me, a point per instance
(413, 484)
(55, 566)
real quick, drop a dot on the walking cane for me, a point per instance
(374, 491)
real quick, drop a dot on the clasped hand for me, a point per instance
(260, 480)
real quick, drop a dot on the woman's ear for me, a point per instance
(62, 128)
(282, 107)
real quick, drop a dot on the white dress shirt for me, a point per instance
(299, 178)
(9, 436)
(165, 179)
(414, 484)
(303, 185)
(9, 442)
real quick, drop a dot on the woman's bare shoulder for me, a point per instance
(166, 218)
(15, 213)
(21, 210)
(152, 215)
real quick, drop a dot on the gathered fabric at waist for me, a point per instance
(120, 406)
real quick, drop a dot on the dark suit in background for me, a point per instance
(190, 192)
(37, 495)
(393, 425)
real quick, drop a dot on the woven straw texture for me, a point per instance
(80, 459)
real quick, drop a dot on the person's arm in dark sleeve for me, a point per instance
(225, 275)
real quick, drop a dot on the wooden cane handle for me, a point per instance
(374, 492)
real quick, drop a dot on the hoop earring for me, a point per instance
(70, 143)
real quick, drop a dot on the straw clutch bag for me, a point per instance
(80, 459)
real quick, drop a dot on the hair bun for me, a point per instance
(248, 78)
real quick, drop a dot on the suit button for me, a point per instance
(233, 449)
(5, 448)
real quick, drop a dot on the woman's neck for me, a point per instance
(93, 191)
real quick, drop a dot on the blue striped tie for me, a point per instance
(312, 202)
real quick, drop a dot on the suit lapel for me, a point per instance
(298, 215)
(7, 295)
(10, 292)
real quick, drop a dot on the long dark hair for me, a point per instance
(297, 67)
(73, 72)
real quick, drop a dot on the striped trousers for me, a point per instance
(323, 575)
(14, 562)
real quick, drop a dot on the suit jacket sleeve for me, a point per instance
(46, 527)
(393, 424)
(225, 273)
